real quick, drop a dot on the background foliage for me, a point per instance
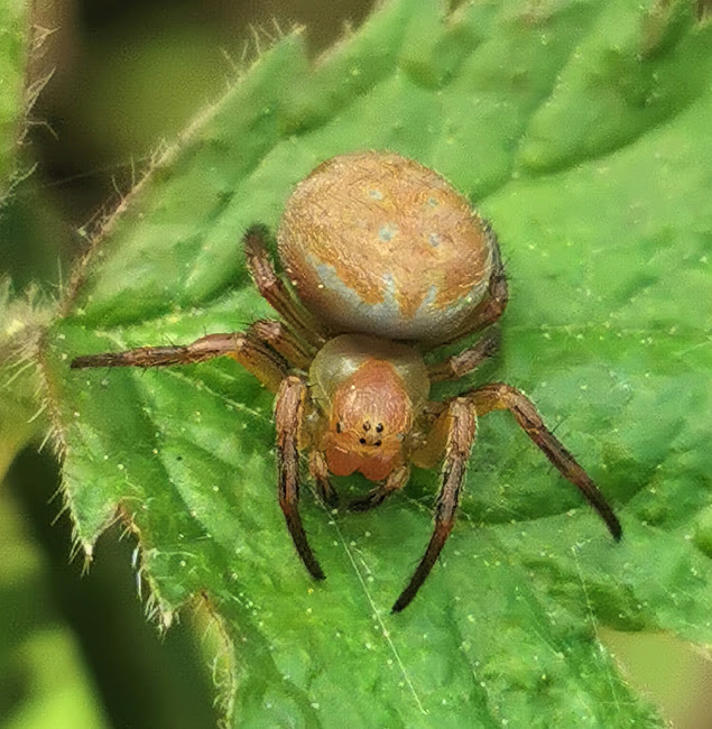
(587, 146)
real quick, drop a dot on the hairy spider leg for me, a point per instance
(272, 288)
(289, 411)
(298, 353)
(319, 471)
(256, 357)
(500, 396)
(271, 369)
(460, 420)
(457, 366)
(395, 481)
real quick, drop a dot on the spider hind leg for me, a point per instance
(500, 396)
(274, 290)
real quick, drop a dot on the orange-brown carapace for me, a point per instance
(377, 243)
(369, 390)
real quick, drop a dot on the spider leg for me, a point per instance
(319, 471)
(298, 353)
(396, 480)
(499, 396)
(272, 288)
(462, 428)
(457, 366)
(289, 409)
(256, 357)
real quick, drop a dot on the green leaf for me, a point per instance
(581, 130)
(41, 669)
(13, 57)
(21, 416)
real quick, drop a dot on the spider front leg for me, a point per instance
(459, 422)
(319, 471)
(257, 358)
(396, 480)
(499, 396)
(289, 412)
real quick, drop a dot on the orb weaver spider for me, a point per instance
(386, 261)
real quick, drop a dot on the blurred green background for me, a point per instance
(121, 79)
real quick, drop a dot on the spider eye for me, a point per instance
(377, 443)
(362, 441)
(379, 428)
(338, 427)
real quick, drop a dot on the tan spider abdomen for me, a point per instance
(377, 243)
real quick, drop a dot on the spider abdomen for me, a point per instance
(378, 244)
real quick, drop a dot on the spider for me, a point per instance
(386, 261)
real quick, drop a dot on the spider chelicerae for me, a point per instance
(386, 262)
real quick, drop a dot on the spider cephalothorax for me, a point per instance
(388, 262)
(369, 391)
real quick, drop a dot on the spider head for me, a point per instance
(371, 414)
